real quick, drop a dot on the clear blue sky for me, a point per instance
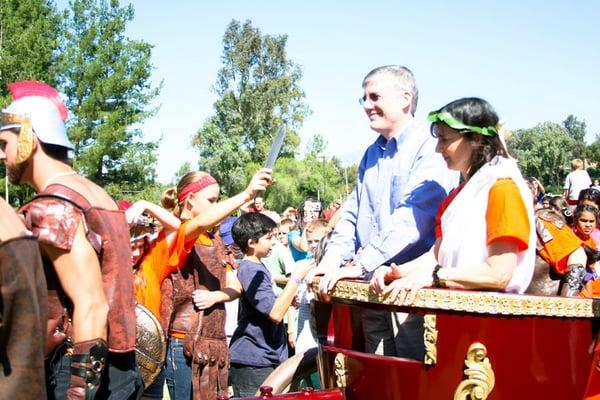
(535, 61)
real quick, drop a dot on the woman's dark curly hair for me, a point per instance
(474, 111)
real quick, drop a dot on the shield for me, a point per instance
(150, 344)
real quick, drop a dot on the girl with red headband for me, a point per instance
(192, 298)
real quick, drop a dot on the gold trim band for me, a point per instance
(473, 301)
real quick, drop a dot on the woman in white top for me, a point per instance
(485, 236)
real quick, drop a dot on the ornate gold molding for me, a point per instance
(430, 335)
(479, 379)
(473, 301)
(341, 371)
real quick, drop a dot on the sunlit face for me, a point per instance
(454, 147)
(138, 248)
(264, 245)
(259, 204)
(384, 103)
(546, 203)
(586, 223)
(282, 234)
(313, 238)
(202, 200)
(8, 155)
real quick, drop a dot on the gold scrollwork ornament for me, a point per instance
(430, 335)
(479, 378)
(341, 372)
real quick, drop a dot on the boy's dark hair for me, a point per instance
(251, 226)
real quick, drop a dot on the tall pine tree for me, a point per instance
(258, 88)
(106, 78)
(29, 31)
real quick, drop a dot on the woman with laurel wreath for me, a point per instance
(485, 236)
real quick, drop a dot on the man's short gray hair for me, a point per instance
(403, 77)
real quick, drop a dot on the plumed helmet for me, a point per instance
(36, 107)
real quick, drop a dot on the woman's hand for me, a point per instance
(386, 274)
(404, 289)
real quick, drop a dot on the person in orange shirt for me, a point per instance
(157, 255)
(485, 234)
(192, 298)
(154, 257)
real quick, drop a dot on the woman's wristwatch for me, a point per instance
(438, 282)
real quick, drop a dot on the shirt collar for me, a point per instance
(396, 139)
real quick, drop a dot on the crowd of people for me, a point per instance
(443, 205)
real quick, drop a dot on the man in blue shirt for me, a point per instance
(390, 215)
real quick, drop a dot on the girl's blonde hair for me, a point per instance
(170, 197)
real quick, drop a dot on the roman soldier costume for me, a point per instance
(54, 216)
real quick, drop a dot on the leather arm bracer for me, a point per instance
(87, 365)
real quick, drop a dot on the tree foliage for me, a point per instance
(594, 151)
(258, 88)
(106, 78)
(543, 152)
(577, 129)
(28, 42)
(316, 175)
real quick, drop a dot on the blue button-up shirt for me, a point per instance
(390, 215)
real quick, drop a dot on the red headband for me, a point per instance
(197, 186)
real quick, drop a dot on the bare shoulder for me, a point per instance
(96, 195)
(10, 224)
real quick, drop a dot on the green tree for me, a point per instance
(184, 169)
(543, 152)
(594, 150)
(28, 42)
(106, 78)
(298, 179)
(577, 130)
(258, 89)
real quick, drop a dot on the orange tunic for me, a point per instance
(158, 263)
(562, 243)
